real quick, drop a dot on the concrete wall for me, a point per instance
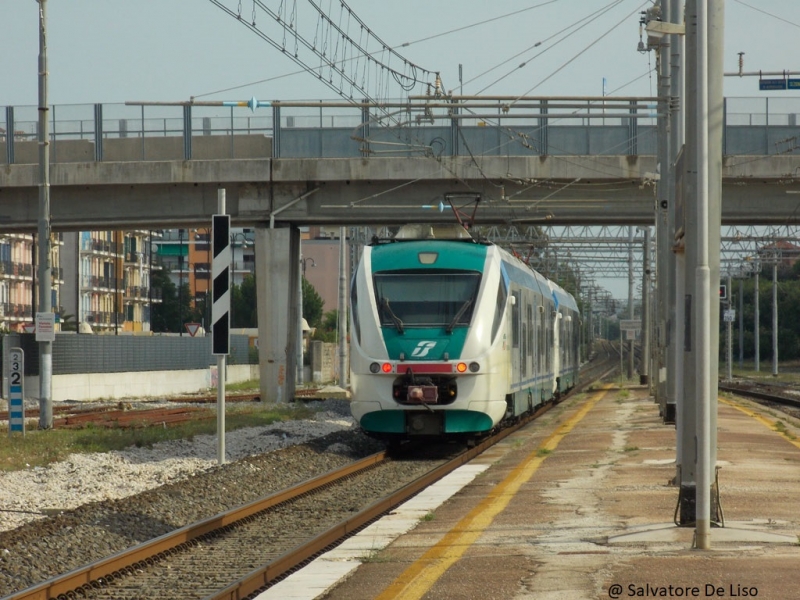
(325, 275)
(147, 384)
(151, 148)
(324, 362)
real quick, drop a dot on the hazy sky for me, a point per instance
(170, 50)
(112, 51)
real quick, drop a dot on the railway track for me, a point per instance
(121, 414)
(767, 393)
(279, 532)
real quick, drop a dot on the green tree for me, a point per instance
(175, 308)
(328, 330)
(788, 317)
(312, 304)
(243, 303)
(67, 320)
(164, 315)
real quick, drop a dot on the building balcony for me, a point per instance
(103, 247)
(18, 312)
(110, 319)
(110, 284)
(138, 293)
(15, 269)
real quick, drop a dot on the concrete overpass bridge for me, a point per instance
(544, 162)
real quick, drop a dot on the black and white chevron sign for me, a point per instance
(221, 283)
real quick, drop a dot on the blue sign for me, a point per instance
(16, 395)
(794, 84)
(771, 84)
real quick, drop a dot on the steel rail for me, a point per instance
(759, 395)
(87, 576)
(266, 575)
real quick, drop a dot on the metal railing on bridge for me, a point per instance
(437, 127)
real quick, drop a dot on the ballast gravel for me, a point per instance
(70, 513)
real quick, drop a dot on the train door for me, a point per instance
(544, 360)
(516, 307)
(530, 355)
(556, 370)
(566, 350)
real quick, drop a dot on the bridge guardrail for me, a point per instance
(122, 132)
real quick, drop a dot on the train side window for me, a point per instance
(515, 320)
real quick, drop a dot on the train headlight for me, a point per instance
(461, 367)
(474, 367)
(374, 367)
(386, 367)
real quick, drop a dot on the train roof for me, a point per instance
(388, 259)
(519, 271)
(418, 232)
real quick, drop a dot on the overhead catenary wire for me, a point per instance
(585, 20)
(769, 14)
(477, 24)
(330, 33)
(586, 48)
(403, 45)
(340, 63)
(331, 42)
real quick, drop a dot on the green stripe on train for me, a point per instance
(455, 421)
(424, 343)
(451, 255)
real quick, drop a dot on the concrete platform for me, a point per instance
(579, 505)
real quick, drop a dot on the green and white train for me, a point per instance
(451, 338)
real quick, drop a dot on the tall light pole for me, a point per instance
(756, 322)
(644, 374)
(300, 349)
(775, 317)
(343, 349)
(631, 346)
(180, 283)
(45, 283)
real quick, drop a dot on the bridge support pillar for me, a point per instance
(277, 255)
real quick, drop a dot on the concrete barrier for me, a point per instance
(140, 384)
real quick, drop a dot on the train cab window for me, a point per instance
(354, 309)
(500, 309)
(426, 298)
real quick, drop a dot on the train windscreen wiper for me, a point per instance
(459, 314)
(395, 319)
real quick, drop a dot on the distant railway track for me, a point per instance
(122, 414)
(764, 392)
(214, 558)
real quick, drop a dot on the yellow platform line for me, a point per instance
(418, 578)
(768, 423)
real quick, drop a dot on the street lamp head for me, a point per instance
(304, 263)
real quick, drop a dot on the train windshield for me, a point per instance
(426, 298)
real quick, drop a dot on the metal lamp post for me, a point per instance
(300, 349)
(180, 283)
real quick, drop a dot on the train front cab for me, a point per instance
(419, 368)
